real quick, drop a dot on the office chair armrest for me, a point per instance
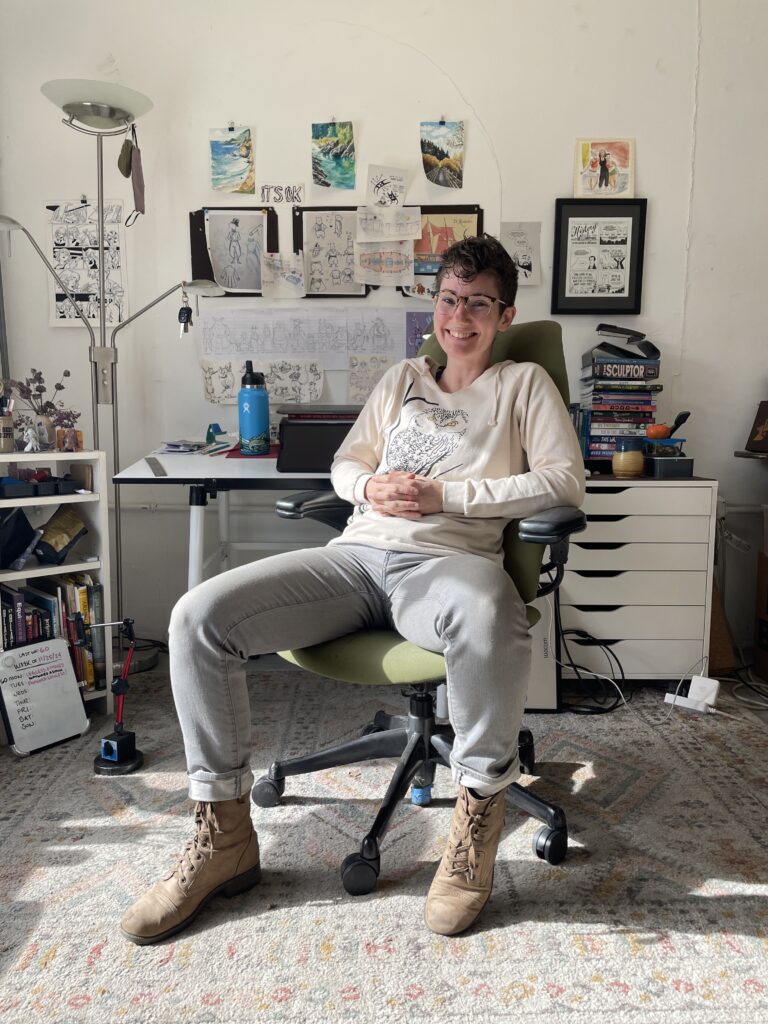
(552, 525)
(324, 506)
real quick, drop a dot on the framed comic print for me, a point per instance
(326, 236)
(598, 255)
(441, 226)
(227, 242)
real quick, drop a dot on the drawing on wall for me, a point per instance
(596, 262)
(232, 159)
(385, 186)
(314, 331)
(333, 154)
(282, 275)
(235, 242)
(389, 263)
(441, 226)
(374, 224)
(418, 327)
(73, 250)
(287, 380)
(522, 240)
(604, 167)
(327, 238)
(442, 152)
(365, 372)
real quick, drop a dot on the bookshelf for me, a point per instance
(91, 554)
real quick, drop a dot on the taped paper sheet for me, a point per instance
(364, 374)
(282, 275)
(385, 186)
(286, 380)
(379, 225)
(235, 241)
(328, 335)
(389, 263)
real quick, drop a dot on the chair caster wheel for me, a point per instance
(358, 875)
(551, 845)
(371, 728)
(267, 792)
(421, 796)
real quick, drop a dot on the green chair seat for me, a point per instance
(375, 657)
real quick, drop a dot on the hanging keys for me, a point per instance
(185, 319)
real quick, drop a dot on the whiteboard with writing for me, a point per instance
(41, 700)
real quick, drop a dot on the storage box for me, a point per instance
(761, 618)
(665, 467)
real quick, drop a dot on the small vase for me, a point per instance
(46, 432)
(628, 460)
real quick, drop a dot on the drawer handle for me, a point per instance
(593, 545)
(603, 573)
(597, 607)
(605, 519)
(595, 643)
(606, 490)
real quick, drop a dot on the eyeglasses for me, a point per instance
(476, 305)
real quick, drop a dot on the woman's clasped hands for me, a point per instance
(404, 494)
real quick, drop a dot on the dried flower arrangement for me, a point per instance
(34, 397)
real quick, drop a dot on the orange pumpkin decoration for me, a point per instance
(657, 430)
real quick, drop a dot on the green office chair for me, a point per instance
(375, 657)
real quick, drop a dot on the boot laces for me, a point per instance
(200, 845)
(463, 858)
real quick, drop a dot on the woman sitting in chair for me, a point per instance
(438, 462)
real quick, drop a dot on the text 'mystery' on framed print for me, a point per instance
(598, 256)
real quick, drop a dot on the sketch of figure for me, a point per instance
(233, 240)
(227, 380)
(208, 375)
(319, 227)
(333, 255)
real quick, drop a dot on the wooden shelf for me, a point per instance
(38, 501)
(30, 571)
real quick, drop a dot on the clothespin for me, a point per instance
(441, 122)
(333, 120)
(231, 126)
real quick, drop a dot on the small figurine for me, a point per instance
(33, 441)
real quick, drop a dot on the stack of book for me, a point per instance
(44, 610)
(619, 388)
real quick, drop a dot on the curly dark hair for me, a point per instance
(481, 254)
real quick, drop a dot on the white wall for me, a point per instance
(529, 76)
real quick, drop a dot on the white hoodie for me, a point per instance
(504, 447)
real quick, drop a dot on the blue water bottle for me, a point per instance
(253, 413)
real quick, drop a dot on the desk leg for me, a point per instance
(198, 499)
(222, 503)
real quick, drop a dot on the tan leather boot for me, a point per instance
(223, 829)
(464, 879)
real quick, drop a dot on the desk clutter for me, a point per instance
(616, 417)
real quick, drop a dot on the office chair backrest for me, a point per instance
(539, 342)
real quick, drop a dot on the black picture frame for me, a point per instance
(201, 261)
(592, 231)
(424, 268)
(358, 290)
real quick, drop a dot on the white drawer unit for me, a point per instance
(639, 578)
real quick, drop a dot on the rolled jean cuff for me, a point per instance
(485, 785)
(211, 788)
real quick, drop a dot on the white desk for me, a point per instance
(214, 476)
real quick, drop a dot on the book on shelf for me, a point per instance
(592, 384)
(623, 369)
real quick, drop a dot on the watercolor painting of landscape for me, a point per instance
(232, 160)
(333, 154)
(442, 152)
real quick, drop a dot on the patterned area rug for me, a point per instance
(659, 913)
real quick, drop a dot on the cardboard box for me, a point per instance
(761, 618)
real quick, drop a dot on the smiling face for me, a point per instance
(462, 336)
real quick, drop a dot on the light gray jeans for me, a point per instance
(462, 606)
